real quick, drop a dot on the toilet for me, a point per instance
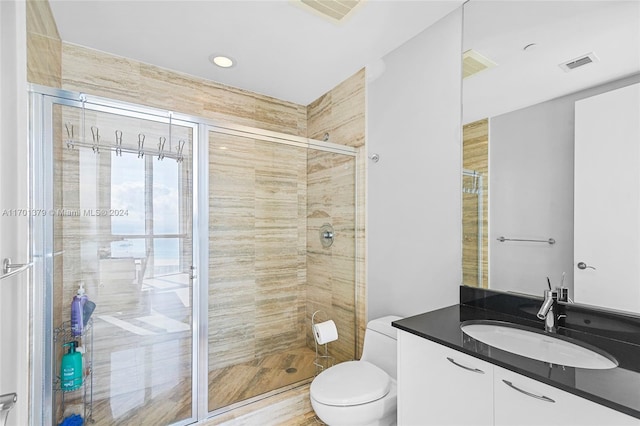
(361, 392)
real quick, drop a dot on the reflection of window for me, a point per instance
(128, 194)
(148, 192)
(166, 201)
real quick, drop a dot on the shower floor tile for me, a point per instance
(243, 381)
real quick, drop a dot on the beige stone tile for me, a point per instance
(40, 19)
(162, 88)
(281, 409)
(44, 60)
(98, 73)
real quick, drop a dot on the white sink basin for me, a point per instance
(538, 345)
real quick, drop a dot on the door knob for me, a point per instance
(582, 265)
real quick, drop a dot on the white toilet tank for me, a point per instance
(380, 344)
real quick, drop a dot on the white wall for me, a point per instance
(14, 313)
(413, 192)
(531, 192)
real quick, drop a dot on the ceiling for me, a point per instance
(282, 49)
(562, 31)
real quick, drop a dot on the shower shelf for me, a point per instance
(83, 396)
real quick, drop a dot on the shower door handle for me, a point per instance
(192, 274)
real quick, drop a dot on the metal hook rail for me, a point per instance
(550, 241)
(117, 147)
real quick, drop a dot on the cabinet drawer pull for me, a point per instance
(533, 395)
(475, 370)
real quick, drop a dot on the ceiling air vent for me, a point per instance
(579, 62)
(473, 62)
(334, 9)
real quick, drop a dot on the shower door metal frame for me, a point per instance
(43, 99)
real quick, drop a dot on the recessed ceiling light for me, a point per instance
(222, 61)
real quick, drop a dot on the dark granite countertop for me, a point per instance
(617, 388)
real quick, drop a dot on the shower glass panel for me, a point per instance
(473, 272)
(331, 273)
(268, 271)
(122, 226)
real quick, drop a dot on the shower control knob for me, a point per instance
(582, 265)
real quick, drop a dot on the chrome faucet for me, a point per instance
(550, 311)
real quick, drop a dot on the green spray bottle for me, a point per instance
(71, 368)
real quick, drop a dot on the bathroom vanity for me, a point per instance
(446, 377)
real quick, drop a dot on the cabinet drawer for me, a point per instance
(520, 400)
(441, 386)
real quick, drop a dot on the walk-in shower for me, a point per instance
(198, 243)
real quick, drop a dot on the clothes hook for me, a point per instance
(119, 143)
(140, 145)
(96, 139)
(69, 128)
(179, 150)
(161, 148)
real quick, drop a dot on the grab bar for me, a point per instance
(549, 241)
(7, 267)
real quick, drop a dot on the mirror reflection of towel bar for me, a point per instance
(549, 241)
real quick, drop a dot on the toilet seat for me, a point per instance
(350, 383)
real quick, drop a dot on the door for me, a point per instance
(607, 200)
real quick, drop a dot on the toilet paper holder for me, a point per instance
(325, 361)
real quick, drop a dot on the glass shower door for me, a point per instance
(268, 267)
(473, 229)
(122, 228)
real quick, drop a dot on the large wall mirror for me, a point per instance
(551, 158)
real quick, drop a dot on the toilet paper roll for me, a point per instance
(325, 332)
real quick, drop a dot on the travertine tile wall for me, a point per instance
(331, 270)
(341, 114)
(101, 74)
(43, 45)
(257, 248)
(475, 157)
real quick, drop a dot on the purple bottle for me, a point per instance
(77, 308)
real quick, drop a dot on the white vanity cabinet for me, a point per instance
(519, 400)
(441, 386)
